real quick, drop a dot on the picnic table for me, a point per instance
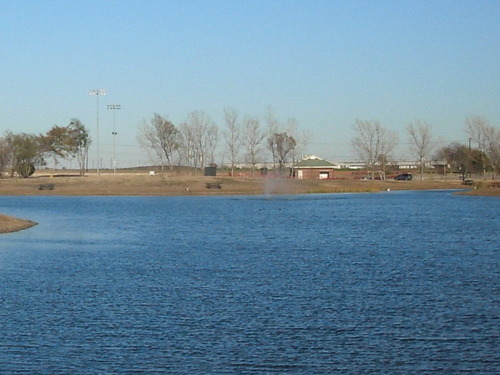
(46, 187)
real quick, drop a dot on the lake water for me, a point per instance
(388, 283)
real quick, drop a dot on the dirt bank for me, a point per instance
(11, 224)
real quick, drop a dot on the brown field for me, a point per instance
(144, 184)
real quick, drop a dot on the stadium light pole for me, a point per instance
(97, 93)
(114, 107)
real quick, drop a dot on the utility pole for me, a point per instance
(97, 93)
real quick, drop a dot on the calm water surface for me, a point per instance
(390, 283)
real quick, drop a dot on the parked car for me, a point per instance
(404, 176)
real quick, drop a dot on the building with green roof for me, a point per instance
(313, 167)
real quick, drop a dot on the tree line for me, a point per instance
(194, 142)
(375, 146)
(22, 153)
(249, 140)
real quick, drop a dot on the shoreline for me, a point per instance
(142, 184)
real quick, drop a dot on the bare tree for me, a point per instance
(161, 139)
(283, 136)
(273, 127)
(282, 146)
(439, 156)
(188, 150)
(365, 144)
(388, 142)
(301, 137)
(420, 142)
(200, 137)
(303, 140)
(493, 148)
(212, 141)
(372, 143)
(483, 135)
(252, 140)
(232, 136)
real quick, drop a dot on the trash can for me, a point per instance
(210, 171)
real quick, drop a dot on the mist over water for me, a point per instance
(274, 186)
(395, 282)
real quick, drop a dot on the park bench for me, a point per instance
(468, 182)
(46, 187)
(213, 185)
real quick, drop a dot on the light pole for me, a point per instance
(114, 107)
(97, 93)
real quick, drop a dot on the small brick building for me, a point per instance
(312, 168)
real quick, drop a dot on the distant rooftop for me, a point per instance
(313, 161)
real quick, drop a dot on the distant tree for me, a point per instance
(252, 141)
(273, 127)
(26, 153)
(59, 142)
(212, 141)
(484, 136)
(389, 140)
(200, 136)
(5, 154)
(282, 147)
(283, 141)
(232, 136)
(301, 138)
(188, 151)
(383, 160)
(420, 142)
(461, 159)
(372, 143)
(81, 142)
(493, 148)
(161, 138)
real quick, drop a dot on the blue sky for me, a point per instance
(323, 63)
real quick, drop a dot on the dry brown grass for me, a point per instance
(141, 183)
